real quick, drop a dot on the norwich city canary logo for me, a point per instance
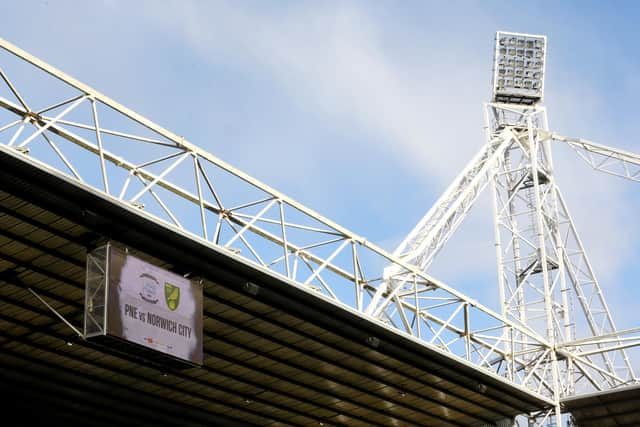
(171, 295)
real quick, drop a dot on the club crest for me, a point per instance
(171, 296)
(148, 291)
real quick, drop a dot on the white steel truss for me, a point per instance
(442, 220)
(543, 269)
(605, 159)
(535, 342)
(69, 128)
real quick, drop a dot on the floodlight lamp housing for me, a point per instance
(518, 68)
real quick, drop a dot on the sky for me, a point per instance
(365, 111)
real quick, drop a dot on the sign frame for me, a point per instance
(141, 308)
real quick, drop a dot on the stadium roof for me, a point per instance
(275, 353)
(609, 408)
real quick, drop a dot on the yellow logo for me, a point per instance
(171, 296)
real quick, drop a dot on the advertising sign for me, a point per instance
(153, 307)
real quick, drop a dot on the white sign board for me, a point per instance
(153, 307)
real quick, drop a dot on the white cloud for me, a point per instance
(424, 114)
(417, 102)
(334, 61)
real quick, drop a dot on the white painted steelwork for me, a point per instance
(129, 159)
(543, 267)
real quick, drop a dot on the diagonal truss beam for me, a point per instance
(441, 221)
(611, 160)
(334, 256)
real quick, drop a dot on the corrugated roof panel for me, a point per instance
(266, 362)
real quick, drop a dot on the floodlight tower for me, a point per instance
(545, 280)
(532, 282)
(543, 269)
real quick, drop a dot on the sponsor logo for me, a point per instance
(171, 296)
(149, 291)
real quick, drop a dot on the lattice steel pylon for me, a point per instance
(545, 280)
(543, 269)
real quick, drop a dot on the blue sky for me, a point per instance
(364, 111)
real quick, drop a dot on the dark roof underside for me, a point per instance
(278, 356)
(617, 407)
